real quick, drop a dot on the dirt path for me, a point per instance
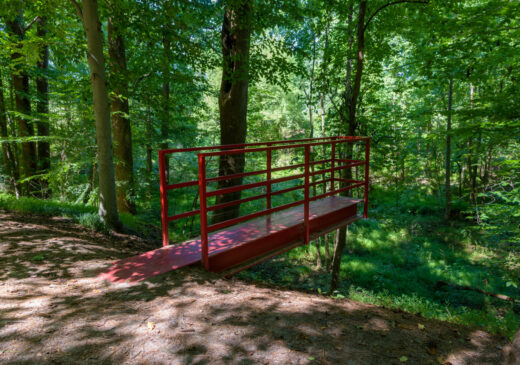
(52, 311)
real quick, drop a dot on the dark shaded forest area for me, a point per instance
(90, 90)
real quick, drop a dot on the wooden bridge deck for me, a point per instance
(231, 248)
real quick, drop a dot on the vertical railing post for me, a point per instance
(268, 168)
(332, 165)
(203, 211)
(164, 199)
(367, 167)
(306, 196)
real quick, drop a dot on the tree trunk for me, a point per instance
(341, 241)
(471, 151)
(475, 166)
(42, 107)
(341, 235)
(359, 67)
(232, 101)
(23, 104)
(124, 166)
(513, 355)
(165, 118)
(7, 152)
(487, 167)
(447, 210)
(96, 61)
(148, 141)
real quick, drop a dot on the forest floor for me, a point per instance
(53, 310)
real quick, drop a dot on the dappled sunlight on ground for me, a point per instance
(192, 317)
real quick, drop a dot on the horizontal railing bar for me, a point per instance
(324, 171)
(183, 215)
(354, 164)
(259, 172)
(234, 202)
(251, 198)
(234, 221)
(182, 185)
(242, 150)
(349, 161)
(322, 181)
(324, 195)
(241, 145)
(235, 176)
(233, 189)
(300, 165)
(348, 181)
(287, 190)
(230, 222)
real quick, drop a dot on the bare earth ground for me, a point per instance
(54, 311)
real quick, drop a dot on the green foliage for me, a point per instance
(85, 215)
(92, 221)
(302, 67)
(396, 259)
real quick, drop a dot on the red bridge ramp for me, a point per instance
(230, 245)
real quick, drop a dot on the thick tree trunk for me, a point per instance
(121, 128)
(447, 210)
(96, 61)
(42, 107)
(23, 105)
(7, 152)
(236, 34)
(359, 67)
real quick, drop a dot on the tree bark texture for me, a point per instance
(341, 241)
(96, 60)
(236, 34)
(148, 131)
(23, 105)
(121, 126)
(7, 151)
(165, 118)
(513, 353)
(350, 102)
(447, 210)
(42, 107)
(359, 67)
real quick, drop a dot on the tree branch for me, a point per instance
(78, 9)
(37, 19)
(392, 3)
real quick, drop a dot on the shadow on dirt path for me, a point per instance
(53, 311)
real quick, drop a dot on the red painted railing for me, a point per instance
(336, 164)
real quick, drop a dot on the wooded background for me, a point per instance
(435, 83)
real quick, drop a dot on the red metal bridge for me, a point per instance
(235, 244)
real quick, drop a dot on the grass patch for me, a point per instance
(85, 215)
(396, 258)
